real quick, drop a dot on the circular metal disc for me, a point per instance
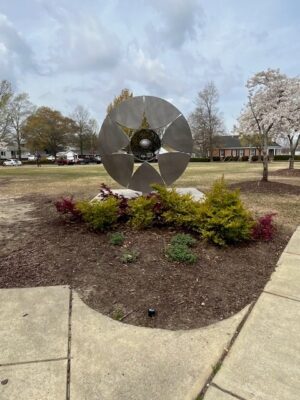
(159, 128)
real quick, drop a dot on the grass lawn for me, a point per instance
(84, 181)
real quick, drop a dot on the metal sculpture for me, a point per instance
(144, 129)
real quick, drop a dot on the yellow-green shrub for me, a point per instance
(178, 209)
(141, 212)
(99, 214)
(224, 219)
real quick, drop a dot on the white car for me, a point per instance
(50, 158)
(31, 158)
(11, 162)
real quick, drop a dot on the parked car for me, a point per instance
(12, 163)
(31, 158)
(96, 159)
(64, 161)
(82, 161)
(50, 158)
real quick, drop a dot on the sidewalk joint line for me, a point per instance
(281, 295)
(209, 380)
(33, 361)
(290, 252)
(236, 396)
(69, 345)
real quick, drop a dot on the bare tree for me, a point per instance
(82, 117)
(6, 94)
(20, 109)
(92, 136)
(206, 121)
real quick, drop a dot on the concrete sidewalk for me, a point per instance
(54, 347)
(264, 361)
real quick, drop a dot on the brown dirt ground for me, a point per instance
(48, 250)
(267, 187)
(286, 172)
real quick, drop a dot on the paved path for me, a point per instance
(264, 361)
(54, 347)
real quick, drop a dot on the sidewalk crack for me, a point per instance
(223, 356)
(236, 396)
(69, 346)
(281, 295)
(33, 361)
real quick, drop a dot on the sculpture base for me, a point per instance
(130, 194)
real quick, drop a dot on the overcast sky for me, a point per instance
(70, 52)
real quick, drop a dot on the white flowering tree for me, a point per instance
(290, 124)
(267, 105)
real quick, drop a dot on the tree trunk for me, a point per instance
(19, 148)
(259, 155)
(81, 146)
(292, 160)
(211, 148)
(293, 151)
(265, 159)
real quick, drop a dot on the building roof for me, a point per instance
(233, 142)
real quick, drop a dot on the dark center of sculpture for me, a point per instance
(145, 144)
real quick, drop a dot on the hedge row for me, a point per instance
(206, 159)
(33, 162)
(285, 157)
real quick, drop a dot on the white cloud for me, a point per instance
(178, 21)
(16, 56)
(65, 53)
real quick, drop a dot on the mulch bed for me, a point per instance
(286, 172)
(57, 252)
(266, 187)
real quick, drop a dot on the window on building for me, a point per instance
(3, 153)
(233, 153)
(222, 153)
(241, 152)
(253, 152)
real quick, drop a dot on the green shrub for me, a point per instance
(129, 256)
(181, 253)
(141, 211)
(179, 210)
(116, 239)
(224, 219)
(199, 159)
(183, 239)
(285, 157)
(99, 214)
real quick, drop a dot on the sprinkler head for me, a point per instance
(151, 312)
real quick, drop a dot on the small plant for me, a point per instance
(67, 205)
(264, 229)
(118, 314)
(129, 256)
(183, 239)
(117, 239)
(100, 215)
(180, 253)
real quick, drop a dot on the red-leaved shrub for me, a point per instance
(264, 228)
(67, 205)
(106, 192)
